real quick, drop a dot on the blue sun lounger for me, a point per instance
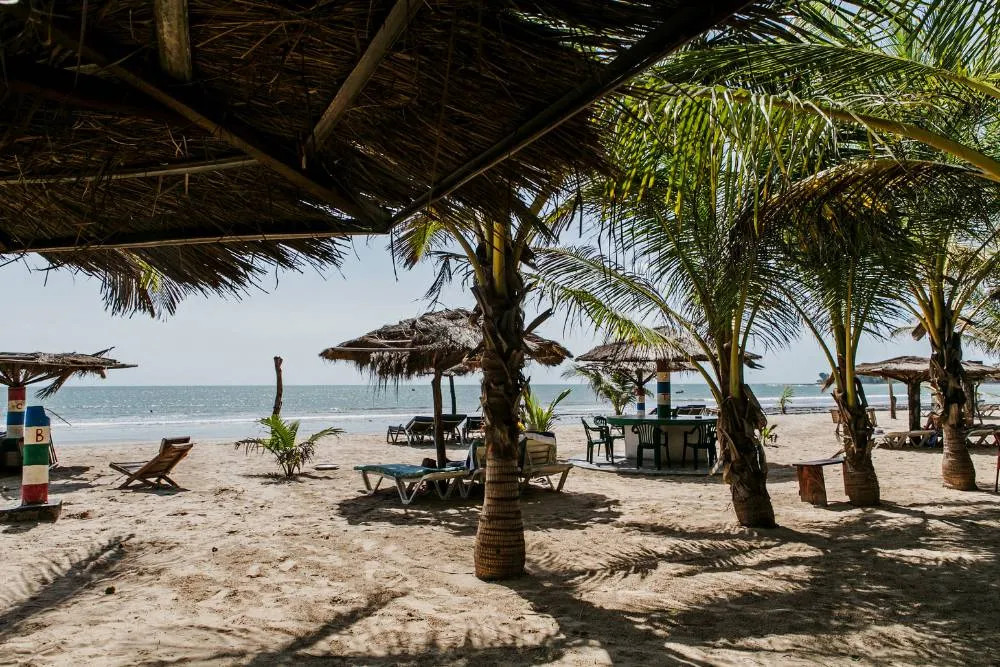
(409, 479)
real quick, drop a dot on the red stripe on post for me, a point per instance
(34, 494)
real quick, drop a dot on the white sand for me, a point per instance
(241, 568)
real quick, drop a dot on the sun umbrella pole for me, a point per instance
(15, 426)
(662, 390)
(892, 402)
(442, 455)
(640, 394)
(913, 405)
(451, 386)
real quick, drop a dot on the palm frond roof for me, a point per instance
(677, 351)
(275, 125)
(918, 369)
(444, 341)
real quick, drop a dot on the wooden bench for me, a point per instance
(812, 485)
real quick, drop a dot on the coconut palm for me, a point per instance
(698, 260)
(493, 252)
(848, 246)
(919, 78)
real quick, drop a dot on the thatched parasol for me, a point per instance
(436, 343)
(18, 369)
(645, 361)
(912, 371)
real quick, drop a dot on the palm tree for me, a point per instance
(615, 385)
(919, 78)
(849, 245)
(703, 264)
(493, 251)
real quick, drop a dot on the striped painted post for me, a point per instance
(35, 473)
(662, 390)
(15, 412)
(640, 398)
(11, 446)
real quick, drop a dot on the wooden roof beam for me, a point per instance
(175, 169)
(330, 193)
(679, 28)
(395, 23)
(173, 38)
(281, 231)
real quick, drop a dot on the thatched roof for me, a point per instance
(637, 356)
(443, 341)
(22, 368)
(276, 124)
(917, 369)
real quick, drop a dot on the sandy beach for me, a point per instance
(243, 568)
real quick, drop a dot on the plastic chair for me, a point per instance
(609, 437)
(649, 438)
(705, 438)
(592, 440)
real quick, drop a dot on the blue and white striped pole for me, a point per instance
(640, 395)
(662, 390)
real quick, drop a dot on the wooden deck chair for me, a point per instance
(539, 463)
(154, 473)
(410, 479)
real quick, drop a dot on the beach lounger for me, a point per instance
(980, 437)
(450, 426)
(410, 479)
(414, 431)
(473, 428)
(904, 439)
(154, 473)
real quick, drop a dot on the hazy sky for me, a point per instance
(212, 341)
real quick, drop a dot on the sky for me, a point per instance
(215, 341)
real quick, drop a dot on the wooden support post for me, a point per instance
(173, 38)
(913, 408)
(279, 387)
(892, 401)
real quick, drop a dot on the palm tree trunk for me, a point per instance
(742, 456)
(500, 539)
(860, 480)
(441, 452)
(948, 378)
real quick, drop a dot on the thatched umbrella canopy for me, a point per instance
(436, 344)
(135, 127)
(644, 360)
(18, 369)
(913, 370)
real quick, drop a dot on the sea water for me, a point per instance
(116, 414)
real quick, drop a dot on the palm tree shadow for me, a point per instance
(869, 574)
(540, 509)
(101, 561)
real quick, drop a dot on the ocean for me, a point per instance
(117, 414)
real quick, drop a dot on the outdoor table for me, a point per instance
(673, 431)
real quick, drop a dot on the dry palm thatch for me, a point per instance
(23, 368)
(678, 352)
(444, 341)
(918, 369)
(134, 125)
